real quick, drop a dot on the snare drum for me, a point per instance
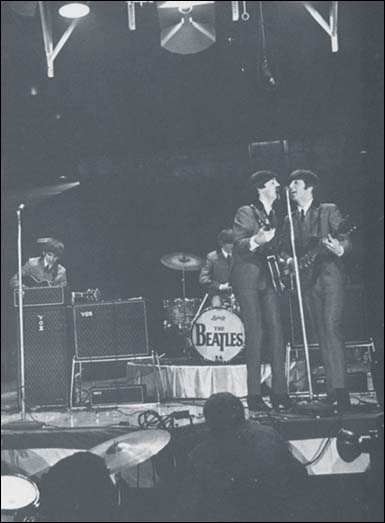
(227, 301)
(218, 334)
(19, 498)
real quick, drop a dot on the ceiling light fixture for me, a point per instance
(187, 27)
(74, 9)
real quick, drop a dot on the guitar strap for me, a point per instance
(258, 217)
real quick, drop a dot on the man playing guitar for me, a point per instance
(323, 281)
(44, 270)
(254, 239)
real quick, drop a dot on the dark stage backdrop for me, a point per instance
(160, 142)
(125, 215)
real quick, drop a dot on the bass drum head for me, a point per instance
(17, 493)
(218, 335)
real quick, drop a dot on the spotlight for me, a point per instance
(185, 7)
(187, 27)
(74, 9)
(348, 445)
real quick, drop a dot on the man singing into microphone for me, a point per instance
(255, 237)
(44, 269)
(323, 281)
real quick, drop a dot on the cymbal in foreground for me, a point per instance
(131, 449)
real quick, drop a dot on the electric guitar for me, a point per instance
(316, 247)
(32, 281)
(90, 295)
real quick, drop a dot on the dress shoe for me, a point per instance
(281, 402)
(256, 404)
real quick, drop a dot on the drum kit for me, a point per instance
(213, 333)
(20, 497)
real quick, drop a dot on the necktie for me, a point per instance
(302, 215)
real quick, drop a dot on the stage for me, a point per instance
(30, 448)
(55, 433)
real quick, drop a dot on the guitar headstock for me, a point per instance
(90, 295)
(93, 295)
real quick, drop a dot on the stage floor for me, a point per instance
(57, 433)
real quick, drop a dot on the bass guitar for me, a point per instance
(275, 264)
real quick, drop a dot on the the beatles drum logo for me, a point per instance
(218, 334)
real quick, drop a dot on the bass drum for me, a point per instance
(19, 498)
(218, 335)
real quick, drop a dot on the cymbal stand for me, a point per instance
(186, 348)
(184, 297)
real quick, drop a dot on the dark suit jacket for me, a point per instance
(244, 474)
(215, 271)
(34, 267)
(320, 221)
(250, 269)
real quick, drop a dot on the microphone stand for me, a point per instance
(299, 292)
(21, 315)
(264, 68)
(23, 423)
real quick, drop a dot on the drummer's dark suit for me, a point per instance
(260, 304)
(215, 271)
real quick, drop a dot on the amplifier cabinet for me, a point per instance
(117, 395)
(46, 358)
(40, 296)
(110, 329)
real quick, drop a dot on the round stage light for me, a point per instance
(74, 9)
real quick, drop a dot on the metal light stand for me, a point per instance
(299, 292)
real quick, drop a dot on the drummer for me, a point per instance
(215, 274)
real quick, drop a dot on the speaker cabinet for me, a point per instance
(46, 358)
(110, 329)
(355, 325)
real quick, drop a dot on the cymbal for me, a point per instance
(131, 449)
(180, 261)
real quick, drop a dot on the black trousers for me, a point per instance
(261, 315)
(324, 302)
